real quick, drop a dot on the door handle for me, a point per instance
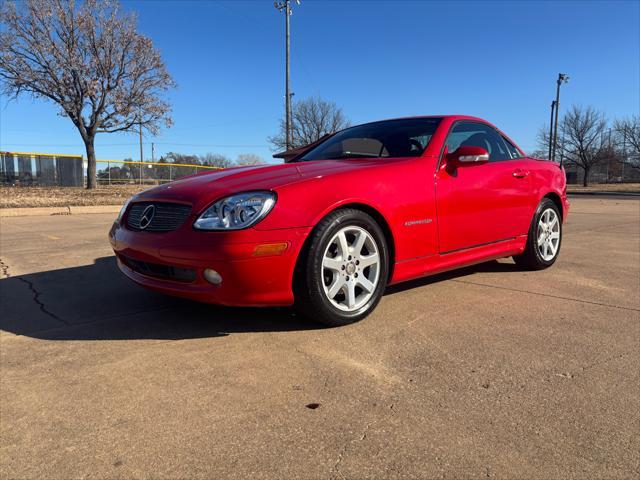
(519, 173)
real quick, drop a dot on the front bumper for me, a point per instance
(247, 279)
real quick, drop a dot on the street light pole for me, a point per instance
(291, 94)
(553, 106)
(285, 6)
(562, 78)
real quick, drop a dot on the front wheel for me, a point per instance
(545, 237)
(344, 270)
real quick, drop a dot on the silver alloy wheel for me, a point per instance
(548, 234)
(350, 268)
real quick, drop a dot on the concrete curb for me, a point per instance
(95, 209)
(44, 211)
(604, 192)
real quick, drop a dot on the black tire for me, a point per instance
(531, 258)
(309, 281)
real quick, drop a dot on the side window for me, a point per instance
(422, 140)
(515, 153)
(478, 135)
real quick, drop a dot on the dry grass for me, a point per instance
(16, 197)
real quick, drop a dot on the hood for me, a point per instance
(202, 189)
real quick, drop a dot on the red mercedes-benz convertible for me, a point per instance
(372, 205)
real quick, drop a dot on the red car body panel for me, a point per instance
(434, 221)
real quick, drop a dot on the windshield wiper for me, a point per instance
(342, 156)
(354, 155)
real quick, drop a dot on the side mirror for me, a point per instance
(468, 155)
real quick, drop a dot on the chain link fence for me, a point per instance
(603, 173)
(120, 172)
(61, 170)
(41, 169)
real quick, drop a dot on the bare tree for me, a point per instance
(216, 160)
(582, 131)
(245, 159)
(312, 119)
(628, 140)
(90, 61)
(542, 141)
(180, 158)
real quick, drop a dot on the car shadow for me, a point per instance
(492, 266)
(97, 302)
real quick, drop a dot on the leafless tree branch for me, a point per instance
(313, 118)
(581, 136)
(628, 140)
(88, 59)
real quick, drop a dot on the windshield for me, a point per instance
(390, 138)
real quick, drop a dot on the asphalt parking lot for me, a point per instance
(487, 372)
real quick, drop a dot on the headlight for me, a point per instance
(123, 209)
(236, 211)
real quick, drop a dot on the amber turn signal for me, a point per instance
(266, 249)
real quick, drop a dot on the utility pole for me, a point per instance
(562, 78)
(610, 156)
(285, 6)
(153, 155)
(553, 106)
(140, 134)
(288, 78)
(625, 158)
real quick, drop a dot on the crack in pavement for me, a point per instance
(605, 361)
(559, 297)
(336, 467)
(335, 470)
(41, 305)
(586, 368)
(4, 268)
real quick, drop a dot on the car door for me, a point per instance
(479, 204)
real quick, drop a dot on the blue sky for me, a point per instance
(376, 59)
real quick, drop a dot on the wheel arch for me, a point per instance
(384, 225)
(555, 198)
(369, 210)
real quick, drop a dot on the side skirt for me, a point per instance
(422, 267)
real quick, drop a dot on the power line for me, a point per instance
(310, 79)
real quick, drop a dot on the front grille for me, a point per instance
(156, 270)
(166, 216)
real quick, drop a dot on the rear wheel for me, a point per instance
(545, 237)
(344, 270)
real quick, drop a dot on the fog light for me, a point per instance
(212, 276)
